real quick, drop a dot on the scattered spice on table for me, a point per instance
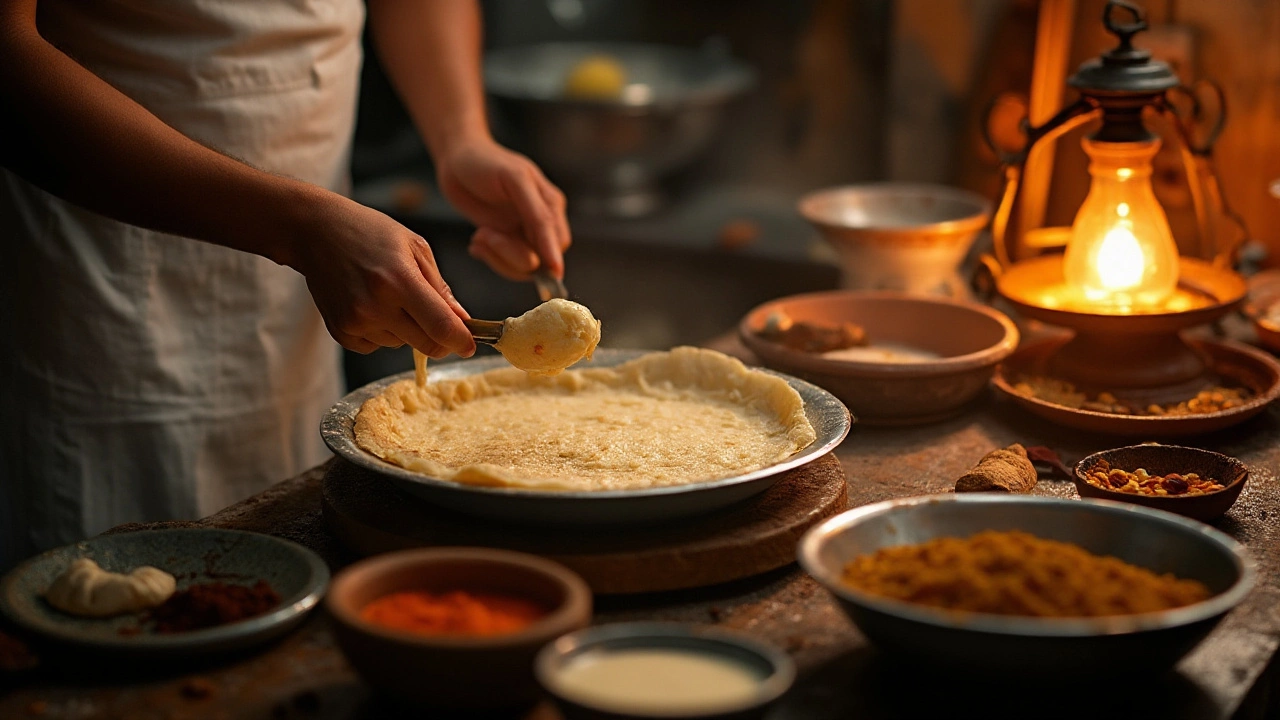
(197, 688)
(1140, 482)
(1004, 470)
(1041, 455)
(15, 655)
(1016, 573)
(1060, 392)
(456, 612)
(211, 604)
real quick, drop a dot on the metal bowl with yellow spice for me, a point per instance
(1012, 586)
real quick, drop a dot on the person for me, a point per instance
(177, 242)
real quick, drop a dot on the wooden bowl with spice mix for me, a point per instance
(1191, 482)
(454, 627)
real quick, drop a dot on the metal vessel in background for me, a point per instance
(609, 154)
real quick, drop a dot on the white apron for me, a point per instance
(145, 376)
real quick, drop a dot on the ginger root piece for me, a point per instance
(87, 590)
(1004, 470)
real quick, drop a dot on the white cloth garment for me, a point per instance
(145, 376)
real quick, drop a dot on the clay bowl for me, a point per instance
(909, 237)
(455, 671)
(970, 339)
(1162, 460)
(1264, 294)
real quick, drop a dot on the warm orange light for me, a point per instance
(1121, 256)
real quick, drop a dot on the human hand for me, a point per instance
(376, 282)
(519, 214)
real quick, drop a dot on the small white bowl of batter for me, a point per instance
(662, 670)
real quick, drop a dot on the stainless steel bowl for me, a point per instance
(1022, 646)
(609, 154)
(775, 668)
(830, 420)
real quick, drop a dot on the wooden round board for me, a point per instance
(369, 516)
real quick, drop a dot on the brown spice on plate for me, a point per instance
(211, 604)
(1016, 573)
(1060, 392)
(1140, 482)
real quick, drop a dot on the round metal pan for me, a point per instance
(830, 420)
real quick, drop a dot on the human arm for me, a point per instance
(77, 137)
(431, 51)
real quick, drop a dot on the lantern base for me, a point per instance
(1127, 361)
(1118, 351)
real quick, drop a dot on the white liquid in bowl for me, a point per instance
(658, 680)
(882, 353)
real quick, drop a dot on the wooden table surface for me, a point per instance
(1231, 674)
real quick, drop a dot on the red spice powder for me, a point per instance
(211, 604)
(457, 612)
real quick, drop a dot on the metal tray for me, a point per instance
(830, 420)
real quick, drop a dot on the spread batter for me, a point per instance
(550, 337)
(673, 418)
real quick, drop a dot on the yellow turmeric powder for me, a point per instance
(1015, 573)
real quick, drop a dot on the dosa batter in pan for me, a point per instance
(684, 416)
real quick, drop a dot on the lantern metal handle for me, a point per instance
(1124, 31)
(1212, 212)
(1067, 119)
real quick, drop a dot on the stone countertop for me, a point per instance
(1231, 674)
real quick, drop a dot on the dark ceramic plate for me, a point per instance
(193, 555)
(1162, 460)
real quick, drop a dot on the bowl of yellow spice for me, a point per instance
(1022, 586)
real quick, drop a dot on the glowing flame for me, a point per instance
(1121, 257)
(1121, 264)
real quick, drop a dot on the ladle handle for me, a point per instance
(488, 332)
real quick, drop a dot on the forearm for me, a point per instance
(69, 132)
(431, 52)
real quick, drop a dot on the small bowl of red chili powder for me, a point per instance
(454, 627)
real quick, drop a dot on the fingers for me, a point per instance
(555, 200)
(436, 311)
(351, 342)
(509, 256)
(426, 261)
(537, 218)
(407, 329)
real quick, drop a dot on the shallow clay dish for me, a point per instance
(971, 340)
(193, 555)
(1264, 294)
(1162, 460)
(1234, 362)
(455, 671)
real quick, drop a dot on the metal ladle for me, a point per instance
(489, 332)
